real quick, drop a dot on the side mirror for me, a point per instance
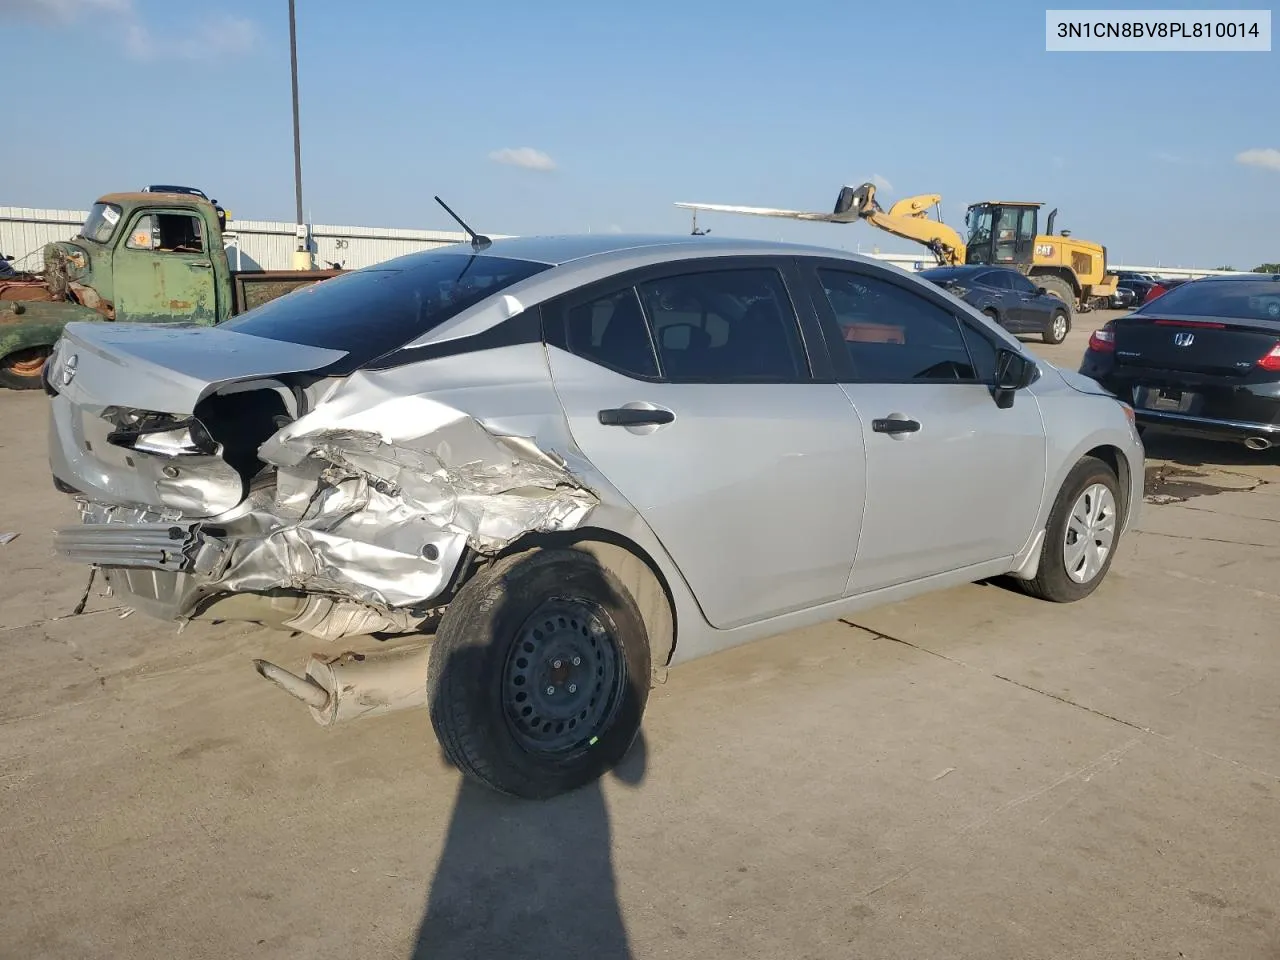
(1014, 372)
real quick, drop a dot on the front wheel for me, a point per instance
(539, 674)
(24, 369)
(1081, 536)
(1059, 326)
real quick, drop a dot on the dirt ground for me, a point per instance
(970, 774)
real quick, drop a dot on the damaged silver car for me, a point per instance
(514, 481)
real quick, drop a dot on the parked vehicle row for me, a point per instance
(591, 457)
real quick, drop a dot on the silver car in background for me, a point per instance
(578, 460)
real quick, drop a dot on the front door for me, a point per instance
(691, 392)
(952, 479)
(163, 271)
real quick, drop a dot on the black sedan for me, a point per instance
(1202, 359)
(1007, 297)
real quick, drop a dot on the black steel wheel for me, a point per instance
(539, 674)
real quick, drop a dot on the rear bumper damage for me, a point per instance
(363, 529)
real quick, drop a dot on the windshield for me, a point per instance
(979, 225)
(1230, 299)
(375, 310)
(101, 222)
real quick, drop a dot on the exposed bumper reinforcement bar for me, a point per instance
(172, 547)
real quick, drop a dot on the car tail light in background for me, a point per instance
(1103, 340)
(1153, 293)
(1272, 360)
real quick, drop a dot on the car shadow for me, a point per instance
(520, 879)
(523, 879)
(1194, 452)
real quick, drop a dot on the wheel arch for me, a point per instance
(634, 567)
(1114, 458)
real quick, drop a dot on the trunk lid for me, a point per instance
(123, 428)
(1200, 345)
(169, 368)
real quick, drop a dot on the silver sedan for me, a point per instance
(575, 461)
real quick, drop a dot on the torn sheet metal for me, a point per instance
(456, 475)
(369, 516)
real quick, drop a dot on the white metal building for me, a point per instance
(268, 245)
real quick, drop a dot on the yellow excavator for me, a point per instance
(998, 232)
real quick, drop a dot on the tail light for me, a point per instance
(1271, 361)
(1103, 340)
(1153, 293)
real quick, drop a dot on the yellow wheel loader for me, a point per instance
(999, 232)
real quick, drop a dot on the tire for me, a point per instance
(494, 659)
(1058, 328)
(1057, 287)
(24, 369)
(1053, 580)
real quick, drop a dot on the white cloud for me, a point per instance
(1165, 157)
(526, 157)
(1266, 157)
(214, 38)
(613, 228)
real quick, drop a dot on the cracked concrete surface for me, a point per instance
(972, 774)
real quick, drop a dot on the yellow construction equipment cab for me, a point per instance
(998, 232)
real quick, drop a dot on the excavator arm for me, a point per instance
(908, 218)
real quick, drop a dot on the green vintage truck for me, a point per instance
(148, 257)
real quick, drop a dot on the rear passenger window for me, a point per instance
(996, 279)
(612, 332)
(725, 326)
(894, 335)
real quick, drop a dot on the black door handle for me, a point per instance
(890, 425)
(635, 417)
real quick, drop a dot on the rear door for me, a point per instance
(703, 392)
(1034, 308)
(1000, 295)
(952, 479)
(163, 271)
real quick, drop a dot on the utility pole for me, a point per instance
(302, 252)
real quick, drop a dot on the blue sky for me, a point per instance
(639, 105)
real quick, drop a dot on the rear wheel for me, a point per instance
(1059, 326)
(1082, 535)
(23, 369)
(539, 674)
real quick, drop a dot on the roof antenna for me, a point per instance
(478, 242)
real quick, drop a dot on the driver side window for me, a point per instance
(166, 233)
(894, 335)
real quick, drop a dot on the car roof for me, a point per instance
(560, 249)
(972, 268)
(1229, 277)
